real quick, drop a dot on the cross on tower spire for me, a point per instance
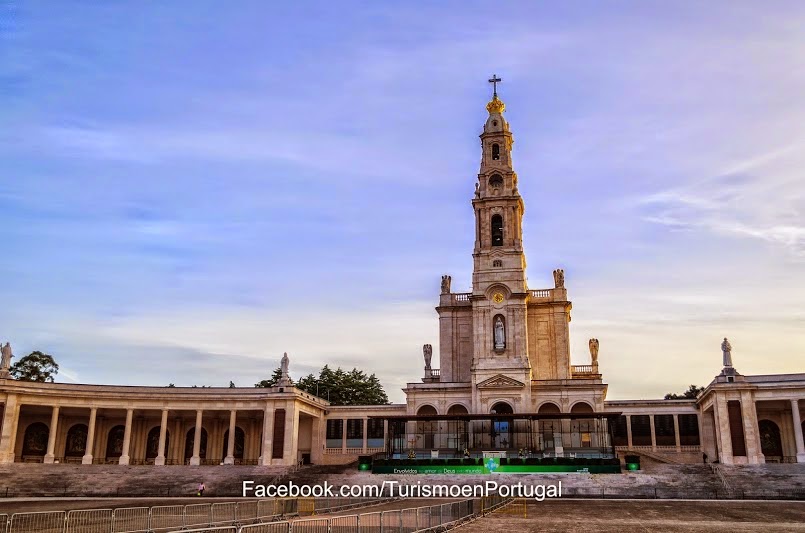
(494, 81)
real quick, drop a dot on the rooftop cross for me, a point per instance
(494, 81)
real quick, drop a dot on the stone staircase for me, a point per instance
(657, 480)
(758, 481)
(21, 480)
(657, 457)
(663, 481)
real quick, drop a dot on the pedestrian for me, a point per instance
(201, 489)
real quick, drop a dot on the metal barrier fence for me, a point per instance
(264, 516)
(231, 529)
(89, 521)
(197, 515)
(165, 518)
(131, 520)
(45, 522)
(247, 512)
(224, 513)
(344, 524)
(273, 527)
(370, 522)
(311, 525)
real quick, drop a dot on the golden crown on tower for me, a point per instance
(495, 106)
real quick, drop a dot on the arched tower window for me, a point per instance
(497, 230)
(495, 152)
(496, 181)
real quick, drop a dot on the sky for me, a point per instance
(189, 189)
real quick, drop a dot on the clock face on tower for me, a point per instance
(497, 298)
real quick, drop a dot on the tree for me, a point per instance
(273, 380)
(338, 386)
(691, 394)
(36, 366)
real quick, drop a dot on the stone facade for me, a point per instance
(528, 364)
(504, 347)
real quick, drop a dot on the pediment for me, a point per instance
(500, 382)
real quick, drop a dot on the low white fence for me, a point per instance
(281, 515)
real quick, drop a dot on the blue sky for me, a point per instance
(187, 189)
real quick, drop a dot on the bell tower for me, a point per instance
(503, 347)
(499, 292)
(498, 255)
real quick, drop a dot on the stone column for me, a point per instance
(196, 459)
(676, 433)
(365, 434)
(50, 456)
(754, 455)
(343, 435)
(386, 434)
(134, 446)
(87, 459)
(8, 437)
(178, 443)
(230, 441)
(268, 429)
(798, 431)
(722, 427)
(629, 431)
(124, 459)
(163, 431)
(291, 454)
(653, 433)
(319, 430)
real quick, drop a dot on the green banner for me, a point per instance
(494, 467)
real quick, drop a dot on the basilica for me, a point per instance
(504, 385)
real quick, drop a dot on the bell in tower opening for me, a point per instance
(497, 230)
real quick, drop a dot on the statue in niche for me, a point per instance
(427, 351)
(446, 284)
(500, 334)
(726, 349)
(559, 278)
(5, 360)
(477, 190)
(594, 351)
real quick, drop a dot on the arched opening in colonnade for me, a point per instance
(152, 443)
(35, 441)
(75, 445)
(190, 441)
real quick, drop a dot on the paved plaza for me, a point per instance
(675, 516)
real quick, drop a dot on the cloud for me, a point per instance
(192, 200)
(208, 346)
